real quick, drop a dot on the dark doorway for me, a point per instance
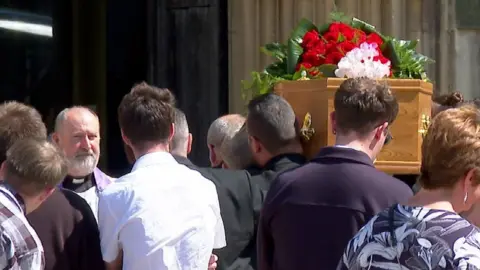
(180, 45)
(189, 55)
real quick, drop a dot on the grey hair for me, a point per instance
(272, 121)
(180, 137)
(62, 116)
(236, 151)
(224, 127)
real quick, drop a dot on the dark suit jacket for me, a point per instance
(264, 178)
(238, 199)
(69, 232)
(279, 164)
(311, 212)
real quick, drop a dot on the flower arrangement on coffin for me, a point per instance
(346, 47)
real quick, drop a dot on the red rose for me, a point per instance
(330, 47)
(346, 46)
(313, 57)
(305, 65)
(374, 38)
(333, 57)
(331, 36)
(346, 30)
(310, 38)
(381, 58)
(339, 27)
(359, 37)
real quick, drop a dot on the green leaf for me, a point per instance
(302, 28)
(328, 70)
(390, 52)
(336, 16)
(276, 50)
(294, 52)
(277, 69)
(261, 83)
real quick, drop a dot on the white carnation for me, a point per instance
(359, 63)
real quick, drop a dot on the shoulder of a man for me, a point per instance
(20, 245)
(78, 204)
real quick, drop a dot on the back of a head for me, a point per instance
(272, 121)
(236, 151)
(362, 104)
(146, 114)
(446, 101)
(224, 127)
(451, 147)
(19, 121)
(180, 137)
(449, 100)
(33, 165)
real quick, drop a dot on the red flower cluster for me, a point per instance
(331, 46)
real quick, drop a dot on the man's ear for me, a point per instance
(189, 143)
(172, 132)
(255, 144)
(55, 137)
(380, 131)
(333, 120)
(125, 139)
(212, 155)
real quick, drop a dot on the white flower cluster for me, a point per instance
(359, 63)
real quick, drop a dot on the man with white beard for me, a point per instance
(77, 133)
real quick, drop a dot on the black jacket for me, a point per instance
(239, 198)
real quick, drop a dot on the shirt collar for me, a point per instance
(13, 196)
(155, 158)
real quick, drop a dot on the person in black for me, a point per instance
(64, 222)
(237, 197)
(273, 138)
(310, 213)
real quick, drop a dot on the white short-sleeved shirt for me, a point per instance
(163, 215)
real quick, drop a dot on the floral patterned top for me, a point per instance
(405, 237)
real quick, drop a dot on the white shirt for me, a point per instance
(163, 215)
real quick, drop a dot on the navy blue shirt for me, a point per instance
(310, 213)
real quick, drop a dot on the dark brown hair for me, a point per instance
(446, 101)
(19, 121)
(146, 114)
(449, 100)
(362, 104)
(33, 165)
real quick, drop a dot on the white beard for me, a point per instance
(82, 165)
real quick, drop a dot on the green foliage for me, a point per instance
(295, 50)
(411, 64)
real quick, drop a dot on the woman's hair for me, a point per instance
(451, 147)
(446, 101)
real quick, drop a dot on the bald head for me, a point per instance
(77, 133)
(236, 151)
(223, 128)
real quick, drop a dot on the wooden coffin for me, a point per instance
(402, 155)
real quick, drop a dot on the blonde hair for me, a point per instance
(451, 147)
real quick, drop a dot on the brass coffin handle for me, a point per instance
(426, 121)
(307, 131)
